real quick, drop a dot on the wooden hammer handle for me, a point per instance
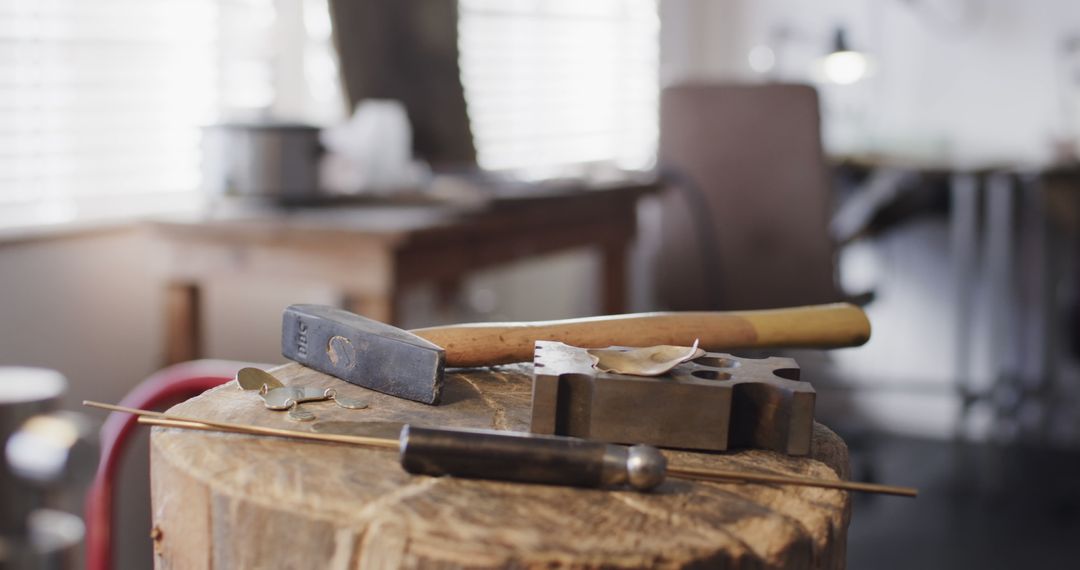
(818, 326)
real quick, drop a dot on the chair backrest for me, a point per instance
(752, 170)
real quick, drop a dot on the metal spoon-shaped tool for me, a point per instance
(296, 413)
(346, 402)
(255, 378)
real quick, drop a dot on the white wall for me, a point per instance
(965, 78)
(701, 39)
(84, 306)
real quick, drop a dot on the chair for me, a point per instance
(748, 226)
(173, 384)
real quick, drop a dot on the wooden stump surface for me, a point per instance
(238, 501)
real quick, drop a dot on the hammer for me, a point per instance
(410, 364)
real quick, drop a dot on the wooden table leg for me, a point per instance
(613, 279)
(183, 329)
(382, 308)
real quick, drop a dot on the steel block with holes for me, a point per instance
(714, 403)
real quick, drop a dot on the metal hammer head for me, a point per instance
(712, 403)
(363, 352)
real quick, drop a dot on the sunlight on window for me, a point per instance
(554, 84)
(102, 103)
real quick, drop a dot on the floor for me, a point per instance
(980, 506)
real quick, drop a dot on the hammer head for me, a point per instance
(363, 352)
(711, 403)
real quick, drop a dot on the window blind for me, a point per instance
(554, 84)
(101, 101)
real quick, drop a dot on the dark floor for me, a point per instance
(979, 506)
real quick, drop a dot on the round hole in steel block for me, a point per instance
(716, 362)
(787, 373)
(710, 375)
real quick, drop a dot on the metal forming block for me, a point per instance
(715, 402)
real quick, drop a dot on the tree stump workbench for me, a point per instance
(239, 501)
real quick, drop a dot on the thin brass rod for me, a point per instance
(693, 473)
(721, 475)
(152, 421)
(257, 430)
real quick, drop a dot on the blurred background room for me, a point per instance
(173, 173)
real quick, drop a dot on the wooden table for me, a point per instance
(374, 253)
(238, 501)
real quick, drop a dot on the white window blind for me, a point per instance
(556, 84)
(102, 101)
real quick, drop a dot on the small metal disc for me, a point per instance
(296, 413)
(350, 403)
(254, 379)
(282, 398)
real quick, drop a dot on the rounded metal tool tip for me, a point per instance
(645, 467)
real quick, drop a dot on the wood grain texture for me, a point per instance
(817, 326)
(233, 501)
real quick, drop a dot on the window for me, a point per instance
(555, 84)
(102, 101)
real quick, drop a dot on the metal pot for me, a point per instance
(278, 161)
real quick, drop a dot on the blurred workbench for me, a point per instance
(374, 251)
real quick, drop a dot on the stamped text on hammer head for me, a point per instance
(301, 338)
